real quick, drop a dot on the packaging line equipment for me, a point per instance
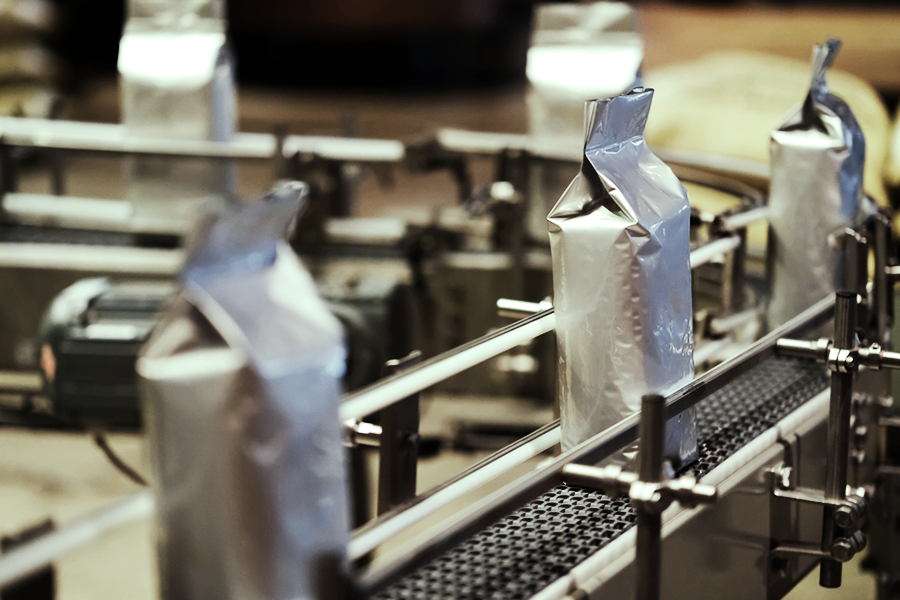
(449, 273)
(787, 478)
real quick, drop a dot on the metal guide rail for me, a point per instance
(30, 558)
(523, 553)
(797, 380)
(299, 154)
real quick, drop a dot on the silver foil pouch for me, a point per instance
(240, 383)
(176, 79)
(620, 241)
(818, 154)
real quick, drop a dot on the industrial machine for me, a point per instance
(794, 469)
(793, 420)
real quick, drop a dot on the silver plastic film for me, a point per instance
(240, 383)
(177, 82)
(620, 241)
(818, 154)
(578, 51)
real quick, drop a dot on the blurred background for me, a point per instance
(360, 48)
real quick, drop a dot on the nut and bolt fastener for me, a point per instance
(845, 516)
(842, 550)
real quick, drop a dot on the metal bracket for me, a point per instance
(841, 538)
(847, 513)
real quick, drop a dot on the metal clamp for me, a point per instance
(841, 360)
(653, 497)
(846, 513)
(650, 494)
(841, 538)
(359, 433)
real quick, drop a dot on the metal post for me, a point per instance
(330, 580)
(883, 296)
(399, 453)
(282, 166)
(845, 309)
(649, 523)
(856, 270)
(359, 485)
(739, 272)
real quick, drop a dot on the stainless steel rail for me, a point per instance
(391, 389)
(107, 138)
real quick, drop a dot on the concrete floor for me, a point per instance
(65, 476)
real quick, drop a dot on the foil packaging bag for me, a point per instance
(177, 83)
(240, 383)
(620, 242)
(818, 155)
(578, 51)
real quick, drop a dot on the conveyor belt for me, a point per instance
(528, 550)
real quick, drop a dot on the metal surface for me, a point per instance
(838, 434)
(651, 433)
(649, 523)
(520, 555)
(519, 309)
(399, 452)
(649, 555)
(712, 250)
(603, 445)
(105, 138)
(415, 379)
(882, 285)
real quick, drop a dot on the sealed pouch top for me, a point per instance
(241, 267)
(618, 171)
(828, 114)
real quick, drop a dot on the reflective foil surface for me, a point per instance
(240, 383)
(620, 240)
(818, 154)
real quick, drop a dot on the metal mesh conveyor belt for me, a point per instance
(523, 553)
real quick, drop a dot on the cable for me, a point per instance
(101, 441)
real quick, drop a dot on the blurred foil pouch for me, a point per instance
(240, 383)
(620, 240)
(818, 155)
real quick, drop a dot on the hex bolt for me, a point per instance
(842, 549)
(846, 516)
